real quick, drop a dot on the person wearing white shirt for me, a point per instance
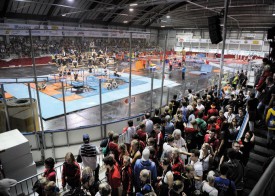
(130, 132)
(190, 96)
(149, 123)
(180, 143)
(198, 168)
(229, 115)
(208, 186)
(200, 107)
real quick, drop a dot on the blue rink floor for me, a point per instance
(52, 107)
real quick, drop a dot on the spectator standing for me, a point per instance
(144, 163)
(197, 167)
(225, 186)
(148, 123)
(70, 172)
(130, 132)
(113, 175)
(88, 153)
(49, 173)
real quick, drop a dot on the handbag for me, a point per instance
(79, 159)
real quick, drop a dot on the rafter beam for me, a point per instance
(164, 12)
(5, 8)
(85, 14)
(50, 12)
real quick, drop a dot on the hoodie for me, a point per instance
(140, 165)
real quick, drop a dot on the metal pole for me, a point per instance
(130, 78)
(226, 2)
(152, 88)
(65, 112)
(6, 108)
(33, 119)
(38, 98)
(100, 105)
(163, 69)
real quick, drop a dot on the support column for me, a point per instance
(226, 2)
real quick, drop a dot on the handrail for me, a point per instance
(25, 186)
(264, 181)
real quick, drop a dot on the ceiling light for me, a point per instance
(131, 9)
(71, 1)
(125, 21)
(167, 16)
(63, 14)
(162, 26)
(273, 14)
(133, 4)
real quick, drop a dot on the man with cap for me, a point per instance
(88, 153)
(144, 163)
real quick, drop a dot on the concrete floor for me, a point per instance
(117, 109)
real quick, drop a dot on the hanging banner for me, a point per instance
(55, 30)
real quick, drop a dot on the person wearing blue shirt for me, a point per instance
(183, 70)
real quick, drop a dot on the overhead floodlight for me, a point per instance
(131, 9)
(167, 16)
(273, 14)
(125, 21)
(63, 14)
(162, 26)
(133, 4)
(71, 1)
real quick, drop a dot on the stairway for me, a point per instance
(257, 158)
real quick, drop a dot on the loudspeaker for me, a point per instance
(271, 33)
(214, 29)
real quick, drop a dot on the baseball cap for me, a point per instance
(86, 137)
(145, 154)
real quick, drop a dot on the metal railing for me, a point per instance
(266, 184)
(26, 186)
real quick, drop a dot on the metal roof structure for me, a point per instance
(193, 14)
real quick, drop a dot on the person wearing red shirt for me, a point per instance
(142, 133)
(213, 125)
(220, 119)
(126, 176)
(177, 164)
(212, 140)
(49, 172)
(70, 172)
(113, 175)
(212, 111)
(113, 146)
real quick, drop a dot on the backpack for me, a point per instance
(271, 121)
(104, 146)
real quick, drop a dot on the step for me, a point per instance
(261, 141)
(263, 151)
(260, 132)
(250, 183)
(259, 158)
(254, 166)
(246, 192)
(250, 173)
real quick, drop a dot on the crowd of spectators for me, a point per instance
(20, 46)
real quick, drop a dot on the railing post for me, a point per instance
(6, 107)
(130, 78)
(100, 106)
(65, 113)
(163, 70)
(38, 98)
(152, 91)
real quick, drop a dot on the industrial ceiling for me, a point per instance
(172, 14)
